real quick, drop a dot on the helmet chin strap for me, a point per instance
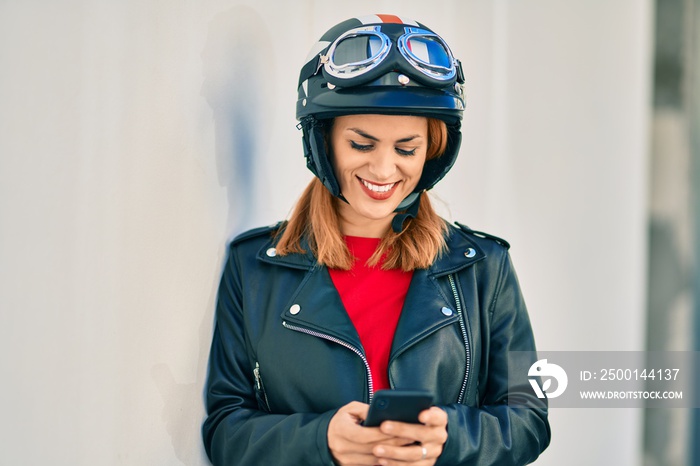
(406, 203)
(410, 205)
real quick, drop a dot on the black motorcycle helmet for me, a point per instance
(380, 64)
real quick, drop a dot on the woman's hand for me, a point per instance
(427, 440)
(352, 444)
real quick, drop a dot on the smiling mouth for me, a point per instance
(378, 188)
(378, 192)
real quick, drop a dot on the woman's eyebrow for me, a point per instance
(372, 138)
(363, 134)
(409, 138)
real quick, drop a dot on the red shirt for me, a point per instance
(373, 298)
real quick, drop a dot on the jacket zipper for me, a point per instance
(463, 328)
(370, 385)
(259, 385)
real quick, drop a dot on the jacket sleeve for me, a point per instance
(496, 433)
(236, 431)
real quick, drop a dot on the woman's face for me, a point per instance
(378, 160)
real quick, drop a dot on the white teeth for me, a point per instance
(378, 189)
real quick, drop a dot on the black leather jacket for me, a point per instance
(285, 356)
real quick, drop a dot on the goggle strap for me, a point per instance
(460, 71)
(310, 69)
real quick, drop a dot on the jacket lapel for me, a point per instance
(316, 306)
(425, 311)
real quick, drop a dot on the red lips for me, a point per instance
(378, 195)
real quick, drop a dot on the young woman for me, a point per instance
(367, 288)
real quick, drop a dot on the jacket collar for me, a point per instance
(462, 251)
(305, 261)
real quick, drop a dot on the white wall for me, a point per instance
(118, 193)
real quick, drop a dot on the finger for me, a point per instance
(370, 436)
(359, 433)
(433, 417)
(357, 409)
(348, 452)
(395, 442)
(345, 425)
(408, 454)
(417, 432)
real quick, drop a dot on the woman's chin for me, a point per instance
(378, 213)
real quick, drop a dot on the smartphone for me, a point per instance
(397, 405)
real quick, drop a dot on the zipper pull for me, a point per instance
(256, 373)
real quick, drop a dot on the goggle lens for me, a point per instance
(356, 50)
(429, 50)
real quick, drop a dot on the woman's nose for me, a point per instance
(382, 165)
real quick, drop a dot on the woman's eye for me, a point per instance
(360, 147)
(406, 152)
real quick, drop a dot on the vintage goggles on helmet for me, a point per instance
(366, 53)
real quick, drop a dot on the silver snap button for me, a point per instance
(295, 309)
(272, 252)
(447, 311)
(470, 253)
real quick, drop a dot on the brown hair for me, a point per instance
(315, 217)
